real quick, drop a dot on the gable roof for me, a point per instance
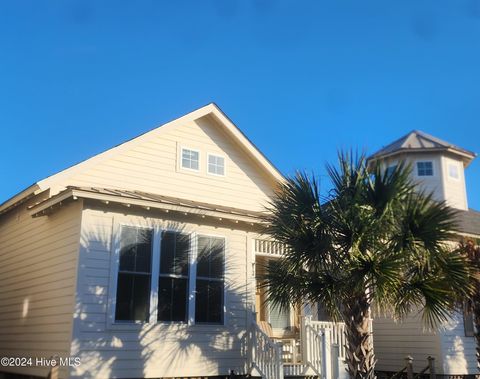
(418, 141)
(208, 110)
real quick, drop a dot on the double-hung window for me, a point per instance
(173, 278)
(134, 275)
(210, 280)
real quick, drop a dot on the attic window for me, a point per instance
(425, 168)
(216, 165)
(190, 159)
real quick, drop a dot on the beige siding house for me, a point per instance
(438, 168)
(141, 262)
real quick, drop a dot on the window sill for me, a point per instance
(126, 326)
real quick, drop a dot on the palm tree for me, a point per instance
(472, 302)
(373, 241)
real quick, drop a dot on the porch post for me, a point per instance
(334, 358)
(327, 354)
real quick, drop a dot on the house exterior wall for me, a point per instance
(108, 349)
(455, 189)
(393, 341)
(441, 184)
(458, 351)
(154, 166)
(454, 353)
(38, 266)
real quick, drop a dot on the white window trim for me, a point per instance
(180, 159)
(157, 230)
(224, 164)
(225, 248)
(154, 312)
(113, 282)
(434, 169)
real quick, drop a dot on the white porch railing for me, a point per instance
(268, 248)
(318, 354)
(315, 349)
(264, 356)
(337, 334)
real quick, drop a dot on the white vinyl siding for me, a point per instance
(153, 166)
(38, 273)
(141, 350)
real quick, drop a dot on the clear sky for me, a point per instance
(301, 79)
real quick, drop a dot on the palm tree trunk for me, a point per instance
(360, 356)
(476, 322)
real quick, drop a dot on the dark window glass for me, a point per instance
(209, 301)
(133, 293)
(173, 278)
(134, 275)
(136, 249)
(391, 170)
(210, 280)
(425, 168)
(210, 260)
(174, 253)
(172, 299)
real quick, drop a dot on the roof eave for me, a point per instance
(52, 204)
(467, 156)
(19, 198)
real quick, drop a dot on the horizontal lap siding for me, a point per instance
(458, 350)
(394, 341)
(38, 264)
(161, 350)
(152, 167)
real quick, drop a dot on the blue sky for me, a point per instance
(300, 78)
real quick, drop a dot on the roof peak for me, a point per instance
(419, 141)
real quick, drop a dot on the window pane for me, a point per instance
(203, 256)
(279, 318)
(216, 165)
(209, 302)
(135, 249)
(172, 299)
(424, 168)
(174, 253)
(391, 170)
(133, 297)
(210, 259)
(190, 159)
(216, 258)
